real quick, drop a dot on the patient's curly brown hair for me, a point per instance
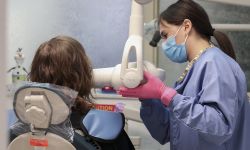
(63, 61)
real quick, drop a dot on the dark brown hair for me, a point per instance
(188, 9)
(62, 61)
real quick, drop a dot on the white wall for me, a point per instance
(100, 25)
(3, 122)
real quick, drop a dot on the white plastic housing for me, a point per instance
(131, 77)
(110, 77)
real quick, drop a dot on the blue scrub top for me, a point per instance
(210, 112)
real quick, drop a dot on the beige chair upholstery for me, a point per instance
(40, 108)
(55, 142)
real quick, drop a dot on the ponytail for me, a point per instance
(224, 43)
(82, 106)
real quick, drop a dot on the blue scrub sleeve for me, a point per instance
(155, 117)
(214, 111)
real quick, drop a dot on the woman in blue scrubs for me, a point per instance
(208, 108)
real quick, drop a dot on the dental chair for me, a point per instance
(43, 121)
(39, 108)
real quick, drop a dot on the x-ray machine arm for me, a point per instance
(129, 74)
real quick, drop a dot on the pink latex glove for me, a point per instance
(154, 88)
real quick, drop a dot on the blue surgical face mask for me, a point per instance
(175, 52)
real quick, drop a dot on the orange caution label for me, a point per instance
(39, 142)
(105, 107)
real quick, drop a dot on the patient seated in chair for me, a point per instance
(61, 67)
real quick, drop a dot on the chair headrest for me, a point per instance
(41, 104)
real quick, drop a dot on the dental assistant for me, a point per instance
(208, 108)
